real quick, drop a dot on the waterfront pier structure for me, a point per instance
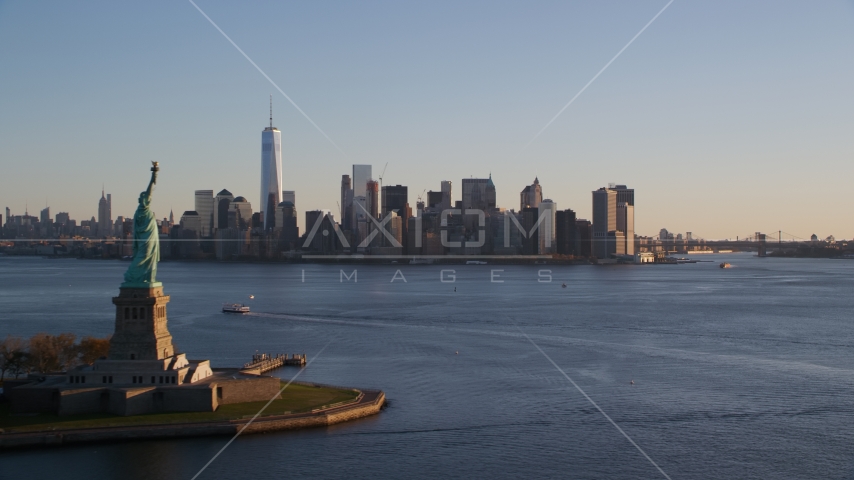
(262, 362)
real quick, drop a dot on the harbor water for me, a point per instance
(745, 372)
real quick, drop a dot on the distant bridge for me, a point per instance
(759, 242)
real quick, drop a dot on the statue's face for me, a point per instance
(143, 199)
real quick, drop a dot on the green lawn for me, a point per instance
(295, 399)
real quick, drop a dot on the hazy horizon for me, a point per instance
(726, 118)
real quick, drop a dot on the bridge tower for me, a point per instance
(760, 237)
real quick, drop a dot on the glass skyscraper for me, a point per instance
(361, 177)
(205, 209)
(271, 172)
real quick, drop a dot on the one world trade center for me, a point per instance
(271, 172)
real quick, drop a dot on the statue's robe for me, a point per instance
(146, 247)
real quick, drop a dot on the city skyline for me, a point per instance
(711, 120)
(206, 208)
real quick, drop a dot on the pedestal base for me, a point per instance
(141, 332)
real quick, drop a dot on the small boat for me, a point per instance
(726, 265)
(563, 285)
(475, 262)
(234, 308)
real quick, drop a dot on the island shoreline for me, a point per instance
(369, 402)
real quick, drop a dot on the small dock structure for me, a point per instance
(263, 362)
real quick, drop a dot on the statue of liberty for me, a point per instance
(146, 241)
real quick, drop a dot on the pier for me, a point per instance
(262, 362)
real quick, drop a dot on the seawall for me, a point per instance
(369, 402)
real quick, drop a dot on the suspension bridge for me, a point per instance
(762, 243)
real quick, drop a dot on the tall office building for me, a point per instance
(271, 172)
(118, 227)
(396, 229)
(8, 215)
(346, 203)
(583, 236)
(105, 221)
(624, 194)
(240, 214)
(604, 220)
(205, 209)
(321, 243)
(478, 193)
(616, 242)
(289, 196)
(62, 218)
(613, 221)
(531, 196)
(626, 224)
(373, 199)
(491, 201)
(222, 204)
(626, 216)
(546, 231)
(528, 218)
(191, 220)
(435, 200)
(565, 232)
(286, 224)
(447, 195)
(361, 177)
(45, 222)
(395, 198)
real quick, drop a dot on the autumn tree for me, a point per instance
(52, 353)
(46, 353)
(91, 349)
(13, 355)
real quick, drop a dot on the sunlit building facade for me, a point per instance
(271, 173)
(547, 210)
(105, 215)
(205, 208)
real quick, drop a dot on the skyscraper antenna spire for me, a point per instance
(271, 111)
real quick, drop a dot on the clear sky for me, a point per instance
(727, 117)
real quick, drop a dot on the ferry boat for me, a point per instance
(234, 308)
(682, 260)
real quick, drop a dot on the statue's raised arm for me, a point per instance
(155, 167)
(146, 242)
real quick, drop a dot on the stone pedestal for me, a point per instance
(141, 332)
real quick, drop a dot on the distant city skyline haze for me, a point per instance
(726, 118)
